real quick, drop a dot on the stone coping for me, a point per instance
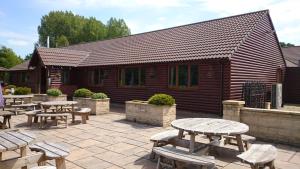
(275, 111)
(233, 102)
(145, 103)
(87, 98)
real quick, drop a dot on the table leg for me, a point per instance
(60, 163)
(240, 143)
(1, 157)
(192, 142)
(180, 134)
(73, 116)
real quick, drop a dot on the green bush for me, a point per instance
(83, 92)
(22, 91)
(161, 99)
(10, 86)
(99, 96)
(54, 92)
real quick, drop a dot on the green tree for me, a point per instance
(62, 41)
(8, 58)
(286, 45)
(93, 30)
(28, 57)
(116, 28)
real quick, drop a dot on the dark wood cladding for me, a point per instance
(16, 79)
(257, 58)
(207, 97)
(292, 85)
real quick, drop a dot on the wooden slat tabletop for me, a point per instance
(51, 150)
(210, 126)
(12, 140)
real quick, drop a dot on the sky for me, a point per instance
(19, 19)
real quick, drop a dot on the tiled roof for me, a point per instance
(3, 69)
(61, 57)
(217, 38)
(292, 56)
(21, 66)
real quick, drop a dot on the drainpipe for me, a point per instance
(222, 87)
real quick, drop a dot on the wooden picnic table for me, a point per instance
(59, 105)
(210, 127)
(13, 140)
(6, 118)
(16, 97)
(24, 106)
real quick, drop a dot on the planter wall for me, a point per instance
(98, 106)
(62, 97)
(39, 97)
(143, 112)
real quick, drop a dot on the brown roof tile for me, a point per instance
(21, 66)
(292, 56)
(204, 40)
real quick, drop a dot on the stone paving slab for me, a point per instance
(109, 141)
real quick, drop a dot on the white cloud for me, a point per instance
(17, 39)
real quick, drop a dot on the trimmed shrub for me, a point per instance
(22, 91)
(54, 92)
(10, 86)
(161, 99)
(99, 96)
(83, 92)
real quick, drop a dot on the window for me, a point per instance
(132, 76)
(96, 77)
(24, 77)
(65, 76)
(183, 76)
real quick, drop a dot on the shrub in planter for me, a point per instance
(161, 99)
(7, 89)
(83, 92)
(54, 92)
(10, 86)
(22, 91)
(99, 96)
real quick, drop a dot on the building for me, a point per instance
(292, 56)
(200, 64)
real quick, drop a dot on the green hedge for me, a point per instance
(161, 99)
(54, 92)
(10, 86)
(83, 92)
(99, 96)
(22, 91)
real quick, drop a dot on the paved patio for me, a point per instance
(109, 141)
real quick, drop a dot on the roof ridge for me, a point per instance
(249, 33)
(216, 19)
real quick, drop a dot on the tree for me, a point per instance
(8, 58)
(62, 41)
(28, 57)
(285, 45)
(116, 28)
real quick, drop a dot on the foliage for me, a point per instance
(64, 26)
(286, 45)
(7, 89)
(117, 28)
(22, 91)
(99, 96)
(161, 99)
(28, 56)
(8, 58)
(83, 92)
(54, 92)
(10, 86)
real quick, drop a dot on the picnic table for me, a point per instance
(16, 97)
(13, 140)
(210, 127)
(6, 118)
(24, 106)
(59, 107)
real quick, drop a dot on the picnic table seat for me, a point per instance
(260, 155)
(245, 138)
(84, 113)
(56, 117)
(43, 167)
(6, 119)
(163, 138)
(179, 156)
(32, 115)
(52, 151)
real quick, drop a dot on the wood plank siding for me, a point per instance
(258, 58)
(206, 97)
(292, 85)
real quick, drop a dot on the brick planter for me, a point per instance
(98, 106)
(142, 112)
(45, 97)
(40, 97)
(62, 97)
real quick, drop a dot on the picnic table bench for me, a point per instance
(179, 156)
(57, 117)
(6, 119)
(84, 113)
(52, 151)
(22, 107)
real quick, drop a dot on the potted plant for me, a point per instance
(23, 91)
(99, 103)
(55, 94)
(81, 96)
(159, 110)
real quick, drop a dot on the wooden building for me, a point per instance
(200, 64)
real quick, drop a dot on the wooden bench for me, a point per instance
(245, 138)
(260, 155)
(44, 167)
(56, 117)
(52, 151)
(84, 113)
(6, 119)
(163, 138)
(180, 157)
(32, 115)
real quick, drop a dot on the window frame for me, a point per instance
(91, 72)
(62, 78)
(122, 76)
(188, 87)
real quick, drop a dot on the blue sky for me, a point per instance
(19, 19)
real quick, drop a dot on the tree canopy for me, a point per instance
(286, 45)
(64, 28)
(8, 58)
